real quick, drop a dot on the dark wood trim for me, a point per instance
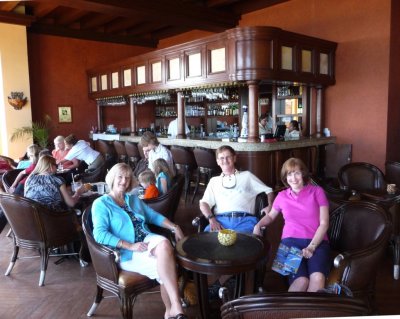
(251, 53)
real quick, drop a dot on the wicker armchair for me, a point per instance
(36, 227)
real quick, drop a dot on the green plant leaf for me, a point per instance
(39, 131)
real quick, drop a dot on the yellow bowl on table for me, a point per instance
(227, 237)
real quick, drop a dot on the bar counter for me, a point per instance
(264, 159)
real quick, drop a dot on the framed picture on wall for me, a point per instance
(65, 114)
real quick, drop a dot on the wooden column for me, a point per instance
(181, 115)
(319, 111)
(253, 112)
(132, 112)
(99, 117)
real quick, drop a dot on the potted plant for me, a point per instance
(40, 132)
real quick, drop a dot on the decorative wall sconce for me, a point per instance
(17, 100)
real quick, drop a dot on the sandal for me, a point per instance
(179, 316)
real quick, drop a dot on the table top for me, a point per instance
(201, 252)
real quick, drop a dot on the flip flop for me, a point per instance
(179, 316)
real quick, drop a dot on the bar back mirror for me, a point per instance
(104, 85)
(156, 72)
(194, 64)
(115, 80)
(323, 63)
(141, 74)
(174, 69)
(287, 58)
(306, 61)
(218, 60)
(127, 77)
(93, 84)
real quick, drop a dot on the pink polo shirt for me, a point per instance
(301, 212)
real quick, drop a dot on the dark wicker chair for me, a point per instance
(126, 285)
(185, 162)
(361, 177)
(292, 305)
(207, 166)
(393, 177)
(121, 151)
(37, 228)
(359, 232)
(9, 177)
(132, 151)
(107, 149)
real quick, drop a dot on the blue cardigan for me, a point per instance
(111, 223)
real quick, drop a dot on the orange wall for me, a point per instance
(357, 105)
(58, 77)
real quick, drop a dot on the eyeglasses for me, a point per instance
(229, 181)
(226, 158)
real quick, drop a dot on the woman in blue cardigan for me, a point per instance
(120, 220)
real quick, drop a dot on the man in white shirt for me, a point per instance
(173, 128)
(233, 195)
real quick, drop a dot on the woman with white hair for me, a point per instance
(60, 151)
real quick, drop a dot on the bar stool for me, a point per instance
(206, 166)
(184, 160)
(108, 151)
(132, 151)
(121, 151)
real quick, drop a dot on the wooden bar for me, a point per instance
(262, 159)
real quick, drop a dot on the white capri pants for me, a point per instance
(145, 263)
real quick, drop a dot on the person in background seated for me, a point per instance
(148, 181)
(48, 189)
(173, 128)
(143, 163)
(81, 150)
(150, 142)
(60, 151)
(161, 170)
(25, 161)
(232, 195)
(264, 124)
(17, 186)
(120, 220)
(5, 165)
(305, 210)
(293, 129)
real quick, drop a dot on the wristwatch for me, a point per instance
(210, 216)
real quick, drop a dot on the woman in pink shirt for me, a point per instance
(305, 210)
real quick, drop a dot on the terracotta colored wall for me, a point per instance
(58, 77)
(357, 105)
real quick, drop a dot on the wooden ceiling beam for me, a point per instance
(15, 18)
(95, 20)
(71, 17)
(93, 36)
(254, 5)
(173, 13)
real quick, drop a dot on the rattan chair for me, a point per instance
(126, 285)
(36, 227)
(393, 177)
(288, 305)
